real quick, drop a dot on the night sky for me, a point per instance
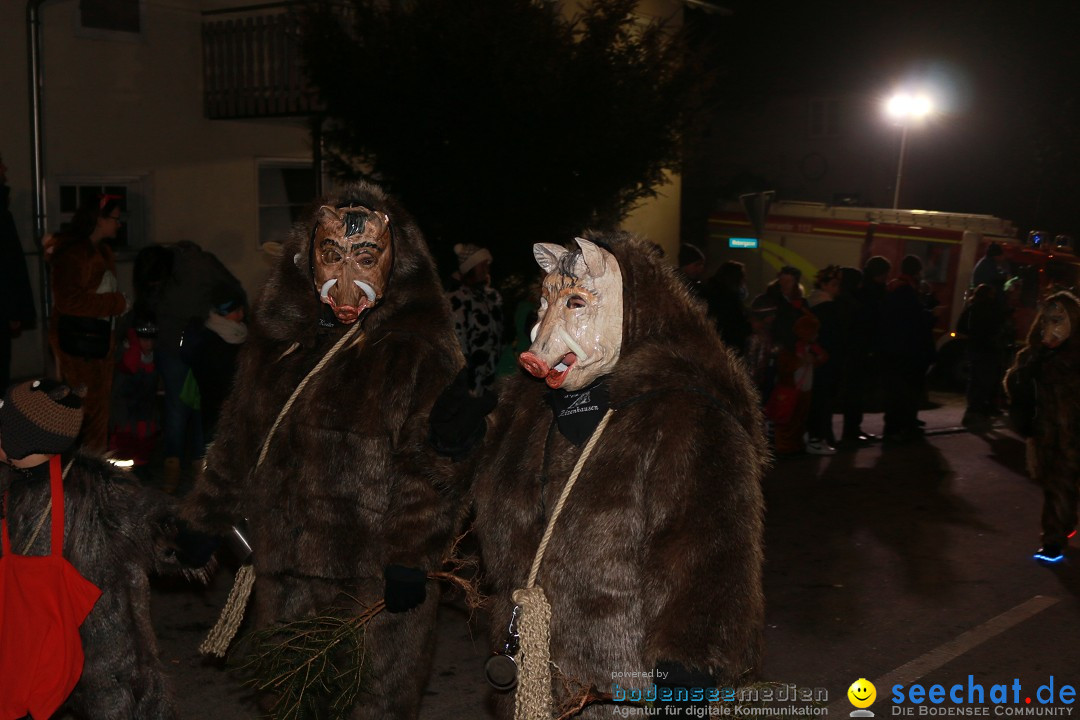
(1009, 143)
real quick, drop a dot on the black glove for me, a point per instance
(195, 548)
(405, 588)
(675, 676)
(458, 418)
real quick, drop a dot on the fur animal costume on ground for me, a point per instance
(116, 533)
(350, 497)
(1044, 383)
(656, 557)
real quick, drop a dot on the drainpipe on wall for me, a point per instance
(317, 153)
(37, 163)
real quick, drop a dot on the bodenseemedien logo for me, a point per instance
(862, 695)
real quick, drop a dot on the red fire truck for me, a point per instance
(810, 236)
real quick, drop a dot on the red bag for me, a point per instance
(781, 403)
(43, 601)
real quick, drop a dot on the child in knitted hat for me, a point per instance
(116, 533)
(38, 419)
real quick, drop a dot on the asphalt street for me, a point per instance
(903, 564)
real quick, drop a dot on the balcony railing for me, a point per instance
(251, 63)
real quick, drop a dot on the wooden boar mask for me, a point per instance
(578, 335)
(1055, 324)
(352, 255)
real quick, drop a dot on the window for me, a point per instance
(111, 15)
(285, 191)
(71, 192)
(824, 118)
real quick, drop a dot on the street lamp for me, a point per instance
(905, 108)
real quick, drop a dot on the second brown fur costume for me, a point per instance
(1052, 452)
(657, 554)
(349, 484)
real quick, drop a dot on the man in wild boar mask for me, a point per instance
(651, 567)
(323, 443)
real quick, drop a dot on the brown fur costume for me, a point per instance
(349, 484)
(115, 533)
(78, 267)
(657, 554)
(1052, 452)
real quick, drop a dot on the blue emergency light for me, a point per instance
(745, 243)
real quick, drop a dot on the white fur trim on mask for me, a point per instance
(324, 293)
(368, 290)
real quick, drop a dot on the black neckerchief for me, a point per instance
(578, 412)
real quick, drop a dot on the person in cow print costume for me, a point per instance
(476, 308)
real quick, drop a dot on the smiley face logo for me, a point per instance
(862, 693)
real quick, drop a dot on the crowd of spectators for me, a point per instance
(862, 340)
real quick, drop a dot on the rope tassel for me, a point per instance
(221, 635)
(532, 700)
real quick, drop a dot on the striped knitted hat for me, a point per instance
(39, 416)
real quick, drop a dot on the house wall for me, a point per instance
(131, 105)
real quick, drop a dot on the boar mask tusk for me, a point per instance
(572, 344)
(368, 290)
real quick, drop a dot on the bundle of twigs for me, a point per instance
(313, 667)
(310, 666)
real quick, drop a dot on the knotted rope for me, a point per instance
(221, 635)
(532, 700)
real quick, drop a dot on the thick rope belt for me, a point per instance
(532, 700)
(221, 635)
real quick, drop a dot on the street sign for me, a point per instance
(745, 243)
(756, 206)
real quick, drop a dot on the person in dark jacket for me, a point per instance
(726, 291)
(907, 349)
(692, 269)
(993, 270)
(863, 385)
(833, 337)
(16, 297)
(983, 322)
(175, 283)
(210, 349)
(786, 293)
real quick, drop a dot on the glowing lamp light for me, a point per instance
(122, 463)
(903, 106)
